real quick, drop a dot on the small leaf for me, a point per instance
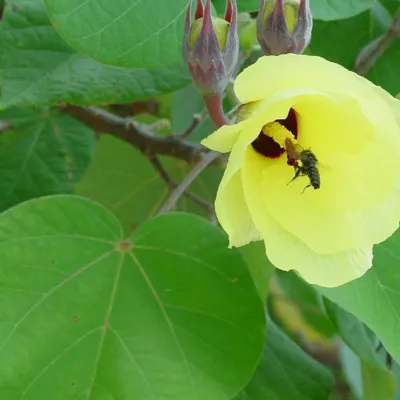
(375, 297)
(351, 367)
(39, 68)
(286, 372)
(378, 381)
(122, 32)
(173, 313)
(44, 153)
(122, 179)
(354, 333)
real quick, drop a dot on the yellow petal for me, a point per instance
(233, 214)
(323, 230)
(359, 158)
(240, 135)
(271, 74)
(306, 215)
(332, 124)
(224, 138)
(287, 252)
(393, 102)
(258, 114)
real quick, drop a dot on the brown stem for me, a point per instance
(214, 108)
(197, 118)
(137, 135)
(188, 180)
(172, 185)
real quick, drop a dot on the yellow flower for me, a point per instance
(351, 126)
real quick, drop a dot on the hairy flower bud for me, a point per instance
(284, 26)
(210, 47)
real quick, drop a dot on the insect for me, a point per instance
(308, 164)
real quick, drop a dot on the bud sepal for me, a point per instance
(210, 47)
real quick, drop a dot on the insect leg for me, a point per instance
(296, 175)
(309, 185)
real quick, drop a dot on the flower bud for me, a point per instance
(210, 47)
(284, 26)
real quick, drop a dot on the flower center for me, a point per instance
(271, 140)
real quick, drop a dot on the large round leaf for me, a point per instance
(137, 34)
(170, 314)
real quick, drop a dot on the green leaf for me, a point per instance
(358, 32)
(391, 5)
(378, 382)
(185, 104)
(308, 301)
(123, 180)
(338, 9)
(383, 72)
(375, 297)
(44, 153)
(321, 9)
(353, 332)
(355, 32)
(286, 372)
(351, 367)
(87, 315)
(396, 370)
(39, 68)
(368, 382)
(260, 267)
(122, 32)
(243, 5)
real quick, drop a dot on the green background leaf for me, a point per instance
(98, 317)
(39, 68)
(124, 181)
(375, 297)
(122, 32)
(185, 103)
(286, 372)
(378, 382)
(357, 32)
(351, 368)
(308, 300)
(321, 9)
(44, 153)
(338, 9)
(260, 267)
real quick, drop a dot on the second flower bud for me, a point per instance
(284, 26)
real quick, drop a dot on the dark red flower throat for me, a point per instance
(267, 146)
